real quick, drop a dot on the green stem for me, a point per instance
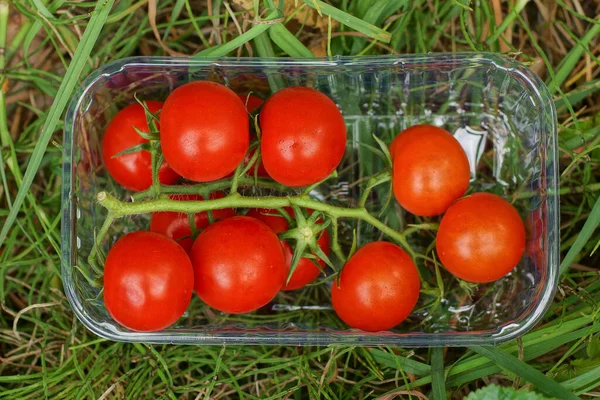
(211, 187)
(118, 209)
(335, 244)
(373, 181)
(99, 239)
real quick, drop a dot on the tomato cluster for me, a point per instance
(238, 259)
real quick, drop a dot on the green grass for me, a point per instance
(46, 47)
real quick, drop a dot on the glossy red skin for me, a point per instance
(204, 131)
(176, 225)
(239, 265)
(303, 136)
(132, 171)
(306, 271)
(430, 170)
(379, 287)
(148, 281)
(481, 238)
(535, 227)
(251, 102)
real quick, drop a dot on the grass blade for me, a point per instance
(530, 374)
(578, 94)
(226, 48)
(396, 361)
(437, 373)
(350, 20)
(287, 42)
(265, 49)
(507, 21)
(572, 58)
(60, 102)
(588, 229)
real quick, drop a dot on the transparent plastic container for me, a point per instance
(499, 110)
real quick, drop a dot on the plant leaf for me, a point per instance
(133, 149)
(494, 392)
(350, 20)
(525, 371)
(71, 79)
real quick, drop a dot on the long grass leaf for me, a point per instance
(349, 20)
(60, 102)
(437, 373)
(408, 364)
(527, 372)
(569, 62)
(287, 42)
(226, 48)
(588, 229)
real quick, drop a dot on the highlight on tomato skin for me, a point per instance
(132, 171)
(378, 288)
(306, 271)
(430, 170)
(303, 136)
(239, 265)
(148, 281)
(481, 238)
(205, 131)
(176, 226)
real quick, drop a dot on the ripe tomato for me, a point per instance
(251, 102)
(303, 136)
(176, 225)
(379, 287)
(431, 170)
(132, 171)
(204, 131)
(481, 238)
(306, 271)
(239, 265)
(148, 281)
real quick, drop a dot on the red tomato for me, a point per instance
(204, 131)
(239, 265)
(303, 136)
(132, 171)
(481, 238)
(379, 287)
(431, 170)
(148, 281)
(176, 225)
(306, 271)
(251, 102)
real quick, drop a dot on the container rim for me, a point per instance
(534, 85)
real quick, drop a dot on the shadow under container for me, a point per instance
(500, 111)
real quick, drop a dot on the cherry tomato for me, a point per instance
(204, 131)
(176, 225)
(239, 265)
(431, 170)
(481, 238)
(251, 102)
(148, 281)
(379, 287)
(132, 171)
(303, 136)
(306, 271)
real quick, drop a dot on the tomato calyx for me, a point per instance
(306, 234)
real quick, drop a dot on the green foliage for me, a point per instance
(495, 392)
